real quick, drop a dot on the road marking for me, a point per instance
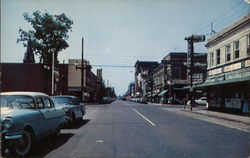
(99, 141)
(144, 117)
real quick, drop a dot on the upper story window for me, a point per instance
(228, 52)
(177, 73)
(211, 59)
(236, 49)
(248, 44)
(218, 56)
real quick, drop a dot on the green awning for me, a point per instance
(222, 82)
(162, 93)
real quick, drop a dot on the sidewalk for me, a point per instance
(201, 110)
(220, 115)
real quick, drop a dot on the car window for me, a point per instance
(19, 101)
(63, 100)
(39, 102)
(47, 103)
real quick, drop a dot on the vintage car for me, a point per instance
(73, 109)
(27, 117)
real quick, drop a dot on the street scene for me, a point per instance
(125, 79)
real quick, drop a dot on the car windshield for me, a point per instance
(17, 101)
(63, 101)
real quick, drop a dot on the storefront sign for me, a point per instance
(232, 67)
(247, 63)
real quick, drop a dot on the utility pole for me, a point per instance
(191, 40)
(82, 71)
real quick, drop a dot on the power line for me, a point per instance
(223, 17)
(116, 66)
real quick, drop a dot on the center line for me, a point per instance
(144, 117)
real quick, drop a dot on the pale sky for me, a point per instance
(120, 32)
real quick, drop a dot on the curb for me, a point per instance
(228, 119)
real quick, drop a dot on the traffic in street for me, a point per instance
(124, 129)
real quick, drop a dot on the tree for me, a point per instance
(49, 33)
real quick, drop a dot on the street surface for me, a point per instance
(132, 130)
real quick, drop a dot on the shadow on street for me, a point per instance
(49, 144)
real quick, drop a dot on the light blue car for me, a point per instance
(27, 117)
(73, 109)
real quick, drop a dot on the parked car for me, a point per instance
(73, 109)
(107, 100)
(27, 117)
(200, 101)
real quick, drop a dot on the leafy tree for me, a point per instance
(49, 33)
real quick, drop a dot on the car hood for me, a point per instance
(10, 112)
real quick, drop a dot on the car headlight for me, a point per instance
(7, 123)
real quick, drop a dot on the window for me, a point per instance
(211, 59)
(177, 73)
(236, 49)
(228, 51)
(47, 103)
(218, 56)
(248, 44)
(39, 102)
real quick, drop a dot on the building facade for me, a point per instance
(143, 69)
(37, 77)
(171, 77)
(228, 77)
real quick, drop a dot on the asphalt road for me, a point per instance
(130, 130)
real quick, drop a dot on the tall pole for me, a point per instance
(191, 72)
(82, 69)
(52, 75)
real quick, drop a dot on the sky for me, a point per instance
(120, 32)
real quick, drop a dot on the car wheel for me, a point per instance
(25, 144)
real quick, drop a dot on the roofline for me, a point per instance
(244, 21)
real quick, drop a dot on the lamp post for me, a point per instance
(52, 70)
(191, 40)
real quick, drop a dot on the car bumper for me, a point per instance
(9, 141)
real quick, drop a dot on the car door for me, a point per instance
(55, 115)
(44, 121)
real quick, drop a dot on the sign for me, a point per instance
(57, 76)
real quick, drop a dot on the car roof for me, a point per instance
(32, 94)
(68, 96)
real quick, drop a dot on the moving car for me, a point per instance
(73, 109)
(27, 117)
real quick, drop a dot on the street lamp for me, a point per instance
(191, 40)
(52, 69)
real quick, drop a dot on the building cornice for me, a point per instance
(245, 21)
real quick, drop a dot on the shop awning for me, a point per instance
(162, 93)
(156, 94)
(223, 82)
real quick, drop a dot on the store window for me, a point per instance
(228, 52)
(236, 49)
(218, 56)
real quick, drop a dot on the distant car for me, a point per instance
(73, 109)
(107, 100)
(200, 101)
(27, 117)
